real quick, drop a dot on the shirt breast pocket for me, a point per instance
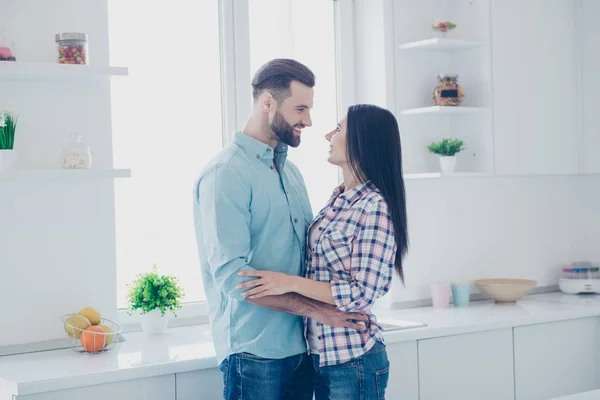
(337, 250)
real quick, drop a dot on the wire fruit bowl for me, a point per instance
(93, 339)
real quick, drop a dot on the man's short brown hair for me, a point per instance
(276, 76)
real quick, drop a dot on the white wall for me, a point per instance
(57, 239)
(492, 227)
(57, 250)
(474, 228)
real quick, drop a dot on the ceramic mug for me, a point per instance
(440, 295)
(461, 293)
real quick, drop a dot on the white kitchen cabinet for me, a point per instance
(155, 388)
(535, 86)
(206, 384)
(471, 366)
(589, 38)
(403, 382)
(404, 371)
(557, 359)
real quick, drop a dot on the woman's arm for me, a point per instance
(271, 283)
(371, 262)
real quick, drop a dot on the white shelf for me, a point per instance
(440, 44)
(62, 174)
(439, 175)
(442, 110)
(15, 70)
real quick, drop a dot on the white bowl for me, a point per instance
(505, 290)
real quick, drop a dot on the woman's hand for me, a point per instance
(269, 283)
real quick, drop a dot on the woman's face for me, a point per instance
(338, 154)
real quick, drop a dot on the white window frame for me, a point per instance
(236, 103)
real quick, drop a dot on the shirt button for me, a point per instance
(320, 228)
(258, 157)
(268, 150)
(356, 303)
(272, 167)
(296, 220)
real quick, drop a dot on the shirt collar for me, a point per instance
(260, 150)
(352, 195)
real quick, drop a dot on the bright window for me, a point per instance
(303, 30)
(167, 123)
(167, 116)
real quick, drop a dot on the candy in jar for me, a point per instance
(72, 48)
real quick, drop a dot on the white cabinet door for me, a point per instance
(156, 388)
(472, 366)
(589, 34)
(404, 371)
(535, 86)
(557, 359)
(205, 384)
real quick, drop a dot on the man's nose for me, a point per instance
(307, 121)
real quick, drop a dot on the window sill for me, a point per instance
(194, 313)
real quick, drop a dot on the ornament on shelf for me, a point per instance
(5, 46)
(443, 27)
(448, 92)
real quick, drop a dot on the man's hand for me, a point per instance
(329, 315)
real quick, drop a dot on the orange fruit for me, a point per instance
(93, 339)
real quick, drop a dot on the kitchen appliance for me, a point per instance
(580, 277)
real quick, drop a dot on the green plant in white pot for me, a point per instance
(153, 295)
(8, 127)
(447, 150)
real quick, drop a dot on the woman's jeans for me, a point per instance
(364, 378)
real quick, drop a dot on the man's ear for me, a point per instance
(267, 102)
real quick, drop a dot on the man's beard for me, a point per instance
(284, 131)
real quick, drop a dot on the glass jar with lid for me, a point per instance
(72, 48)
(76, 153)
(448, 92)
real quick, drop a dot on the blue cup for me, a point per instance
(461, 292)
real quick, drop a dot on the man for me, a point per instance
(251, 211)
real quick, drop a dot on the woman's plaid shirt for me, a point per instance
(354, 251)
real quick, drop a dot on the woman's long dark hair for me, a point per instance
(375, 154)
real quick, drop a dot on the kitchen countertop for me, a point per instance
(190, 348)
(592, 395)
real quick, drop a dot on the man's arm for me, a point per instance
(326, 314)
(222, 216)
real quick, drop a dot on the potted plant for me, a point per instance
(447, 149)
(8, 126)
(153, 295)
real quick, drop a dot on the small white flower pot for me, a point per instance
(448, 164)
(8, 159)
(153, 323)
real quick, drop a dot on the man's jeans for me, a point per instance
(364, 378)
(248, 377)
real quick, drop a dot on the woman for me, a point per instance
(355, 243)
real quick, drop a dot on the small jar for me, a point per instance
(76, 154)
(448, 91)
(72, 48)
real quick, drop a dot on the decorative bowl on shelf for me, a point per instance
(505, 290)
(91, 339)
(443, 27)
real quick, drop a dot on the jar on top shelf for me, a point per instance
(72, 48)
